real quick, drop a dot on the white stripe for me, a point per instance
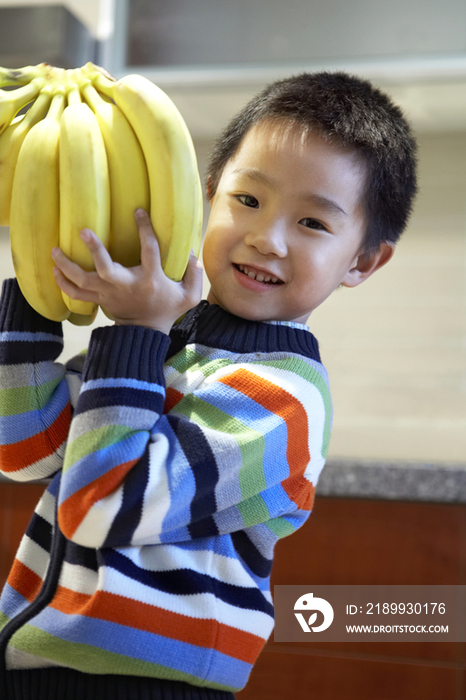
(157, 497)
(17, 659)
(78, 578)
(171, 558)
(74, 387)
(46, 507)
(95, 526)
(198, 606)
(136, 419)
(307, 394)
(33, 556)
(29, 375)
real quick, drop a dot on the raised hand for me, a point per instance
(142, 295)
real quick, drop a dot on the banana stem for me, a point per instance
(103, 84)
(57, 106)
(23, 95)
(21, 76)
(90, 95)
(39, 107)
(74, 96)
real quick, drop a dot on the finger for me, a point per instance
(71, 270)
(193, 279)
(71, 289)
(102, 259)
(150, 251)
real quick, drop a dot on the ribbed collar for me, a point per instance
(209, 324)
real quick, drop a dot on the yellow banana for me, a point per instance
(10, 144)
(129, 182)
(34, 229)
(175, 188)
(22, 76)
(11, 101)
(84, 187)
(83, 319)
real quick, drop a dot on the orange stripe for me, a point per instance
(283, 404)
(24, 580)
(172, 397)
(149, 618)
(22, 454)
(73, 511)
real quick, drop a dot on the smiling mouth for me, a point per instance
(254, 274)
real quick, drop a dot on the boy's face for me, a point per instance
(286, 226)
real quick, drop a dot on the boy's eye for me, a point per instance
(313, 223)
(248, 200)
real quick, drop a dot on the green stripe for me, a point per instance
(94, 441)
(281, 527)
(4, 619)
(311, 375)
(184, 360)
(189, 361)
(27, 398)
(254, 511)
(250, 442)
(90, 659)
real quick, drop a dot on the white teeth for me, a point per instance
(259, 276)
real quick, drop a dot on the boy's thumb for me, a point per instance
(192, 279)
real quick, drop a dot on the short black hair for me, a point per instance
(348, 110)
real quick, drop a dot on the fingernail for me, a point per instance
(85, 234)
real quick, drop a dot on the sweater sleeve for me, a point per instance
(243, 445)
(35, 409)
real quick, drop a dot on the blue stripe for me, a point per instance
(8, 336)
(12, 602)
(137, 644)
(180, 482)
(40, 531)
(255, 417)
(112, 383)
(54, 486)
(277, 501)
(91, 467)
(188, 582)
(18, 353)
(203, 466)
(249, 554)
(120, 396)
(129, 516)
(24, 425)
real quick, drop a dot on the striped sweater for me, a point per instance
(176, 464)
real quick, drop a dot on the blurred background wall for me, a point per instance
(395, 347)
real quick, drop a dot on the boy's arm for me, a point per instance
(35, 410)
(242, 447)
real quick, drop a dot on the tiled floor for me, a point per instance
(395, 347)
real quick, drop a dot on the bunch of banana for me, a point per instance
(79, 149)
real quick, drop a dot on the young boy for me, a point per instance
(180, 454)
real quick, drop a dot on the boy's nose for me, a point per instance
(269, 238)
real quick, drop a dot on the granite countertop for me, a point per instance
(402, 481)
(377, 479)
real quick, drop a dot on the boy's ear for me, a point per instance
(367, 264)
